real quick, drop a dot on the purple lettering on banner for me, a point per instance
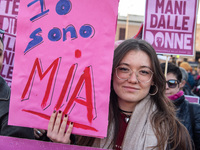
(171, 40)
(180, 7)
(8, 57)
(15, 7)
(169, 8)
(170, 26)
(161, 23)
(159, 5)
(154, 20)
(9, 25)
(8, 21)
(185, 22)
(176, 24)
(8, 6)
(164, 22)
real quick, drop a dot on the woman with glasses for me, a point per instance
(140, 116)
(188, 113)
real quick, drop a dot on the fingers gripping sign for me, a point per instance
(38, 133)
(57, 128)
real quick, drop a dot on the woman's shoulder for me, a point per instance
(194, 110)
(196, 107)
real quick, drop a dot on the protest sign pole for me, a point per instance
(177, 57)
(166, 65)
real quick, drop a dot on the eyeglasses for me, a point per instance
(172, 83)
(2, 33)
(143, 75)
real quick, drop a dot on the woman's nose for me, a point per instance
(133, 78)
(167, 87)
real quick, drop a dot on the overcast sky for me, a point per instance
(136, 7)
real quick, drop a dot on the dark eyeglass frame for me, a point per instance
(172, 83)
(2, 32)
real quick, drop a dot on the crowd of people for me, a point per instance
(147, 110)
(188, 113)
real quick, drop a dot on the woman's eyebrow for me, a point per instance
(124, 64)
(145, 67)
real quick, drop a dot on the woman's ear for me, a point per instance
(182, 83)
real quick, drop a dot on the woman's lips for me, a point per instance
(167, 94)
(130, 88)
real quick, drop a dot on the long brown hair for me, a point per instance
(1, 40)
(166, 126)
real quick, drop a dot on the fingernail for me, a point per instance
(59, 111)
(71, 123)
(54, 111)
(65, 115)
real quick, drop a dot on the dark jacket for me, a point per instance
(183, 113)
(5, 129)
(187, 90)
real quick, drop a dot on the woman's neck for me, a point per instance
(126, 108)
(124, 111)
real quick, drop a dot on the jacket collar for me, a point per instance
(179, 100)
(4, 90)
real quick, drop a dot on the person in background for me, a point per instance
(186, 89)
(196, 89)
(140, 116)
(191, 81)
(198, 72)
(188, 113)
(5, 129)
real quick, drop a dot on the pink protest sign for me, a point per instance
(8, 21)
(192, 99)
(10, 143)
(63, 61)
(170, 26)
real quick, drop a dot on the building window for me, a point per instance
(121, 33)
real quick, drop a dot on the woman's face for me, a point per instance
(169, 90)
(131, 91)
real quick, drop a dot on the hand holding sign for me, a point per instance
(57, 131)
(60, 59)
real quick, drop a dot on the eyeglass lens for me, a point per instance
(143, 75)
(172, 83)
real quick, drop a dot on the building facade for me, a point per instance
(128, 29)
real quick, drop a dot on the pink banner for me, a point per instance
(10, 143)
(170, 26)
(8, 21)
(63, 61)
(192, 99)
